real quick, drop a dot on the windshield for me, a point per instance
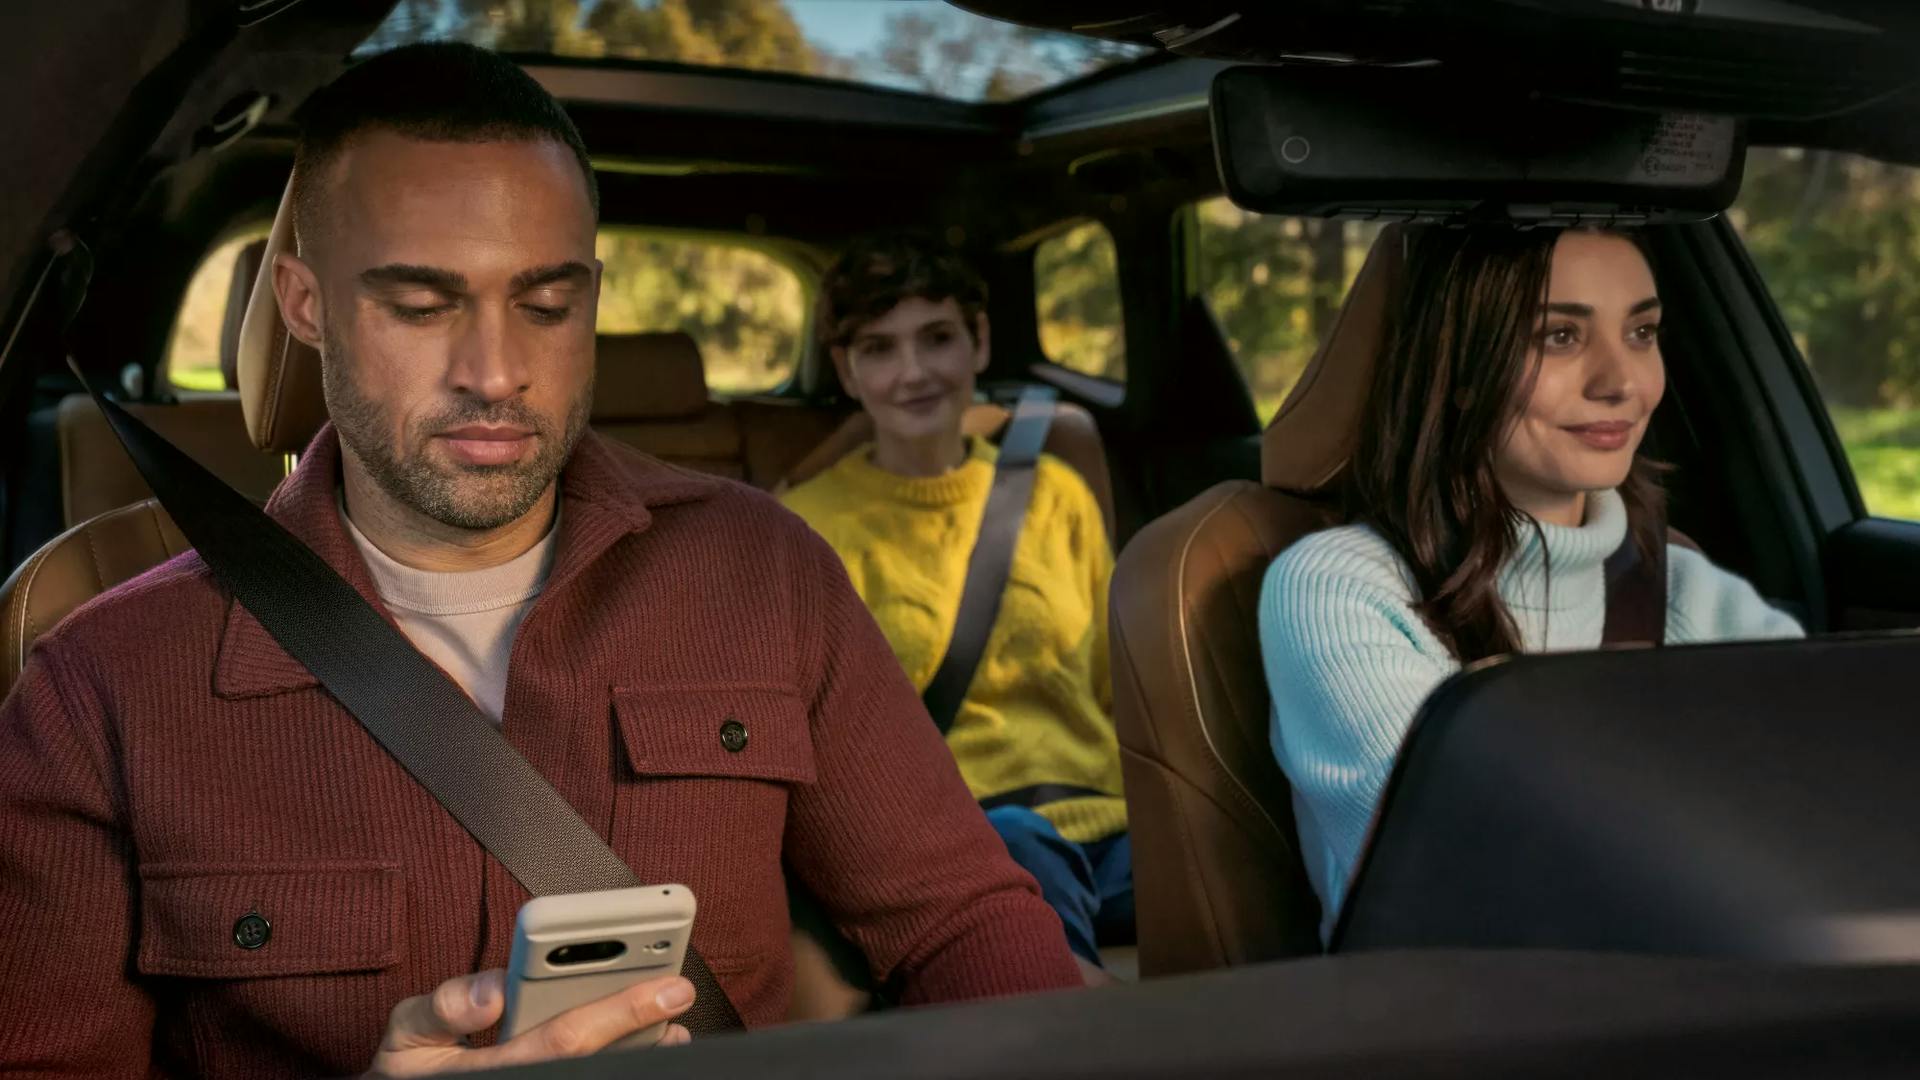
(924, 46)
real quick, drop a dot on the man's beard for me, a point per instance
(477, 497)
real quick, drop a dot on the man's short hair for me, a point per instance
(434, 92)
(875, 274)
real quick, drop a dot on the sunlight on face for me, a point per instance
(913, 369)
(1596, 377)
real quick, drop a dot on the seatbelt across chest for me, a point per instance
(407, 703)
(992, 557)
(1636, 595)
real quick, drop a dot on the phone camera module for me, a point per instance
(587, 952)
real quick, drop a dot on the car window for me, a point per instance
(1837, 238)
(745, 306)
(1274, 284)
(1076, 284)
(193, 351)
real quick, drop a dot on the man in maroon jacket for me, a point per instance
(207, 867)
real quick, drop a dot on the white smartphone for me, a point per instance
(573, 949)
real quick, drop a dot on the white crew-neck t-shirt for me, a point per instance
(463, 620)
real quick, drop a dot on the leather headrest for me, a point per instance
(1312, 437)
(246, 267)
(654, 376)
(279, 375)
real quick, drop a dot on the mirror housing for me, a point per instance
(1420, 145)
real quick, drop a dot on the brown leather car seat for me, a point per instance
(1218, 877)
(650, 392)
(1073, 438)
(75, 567)
(96, 475)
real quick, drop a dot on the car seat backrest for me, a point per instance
(650, 392)
(97, 476)
(75, 567)
(1218, 875)
(1072, 437)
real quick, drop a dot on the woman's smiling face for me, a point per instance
(913, 369)
(1595, 377)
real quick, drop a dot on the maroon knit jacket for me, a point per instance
(167, 771)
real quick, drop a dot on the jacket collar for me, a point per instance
(607, 493)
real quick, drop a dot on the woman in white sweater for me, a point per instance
(1495, 473)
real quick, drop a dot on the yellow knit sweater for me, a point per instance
(1039, 709)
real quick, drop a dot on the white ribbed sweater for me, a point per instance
(1349, 661)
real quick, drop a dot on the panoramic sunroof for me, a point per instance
(924, 46)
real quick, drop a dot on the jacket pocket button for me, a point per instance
(733, 735)
(251, 931)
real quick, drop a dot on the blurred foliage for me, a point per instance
(948, 52)
(747, 309)
(1837, 238)
(193, 352)
(927, 47)
(1275, 285)
(1883, 446)
(1077, 287)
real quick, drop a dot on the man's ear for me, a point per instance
(843, 367)
(297, 289)
(982, 343)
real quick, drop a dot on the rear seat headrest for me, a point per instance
(1308, 444)
(653, 376)
(279, 375)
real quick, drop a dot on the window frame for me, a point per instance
(1103, 389)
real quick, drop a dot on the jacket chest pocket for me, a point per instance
(308, 954)
(225, 922)
(742, 735)
(704, 801)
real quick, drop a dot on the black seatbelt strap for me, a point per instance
(1042, 795)
(410, 706)
(1636, 594)
(992, 556)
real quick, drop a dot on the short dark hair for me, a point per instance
(435, 92)
(874, 274)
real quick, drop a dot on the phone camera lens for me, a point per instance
(585, 952)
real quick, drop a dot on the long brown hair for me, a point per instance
(1459, 359)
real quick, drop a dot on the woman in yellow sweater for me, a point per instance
(904, 319)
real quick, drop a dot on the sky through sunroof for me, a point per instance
(926, 46)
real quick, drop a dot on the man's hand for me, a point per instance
(427, 1034)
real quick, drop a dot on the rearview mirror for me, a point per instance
(1420, 144)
